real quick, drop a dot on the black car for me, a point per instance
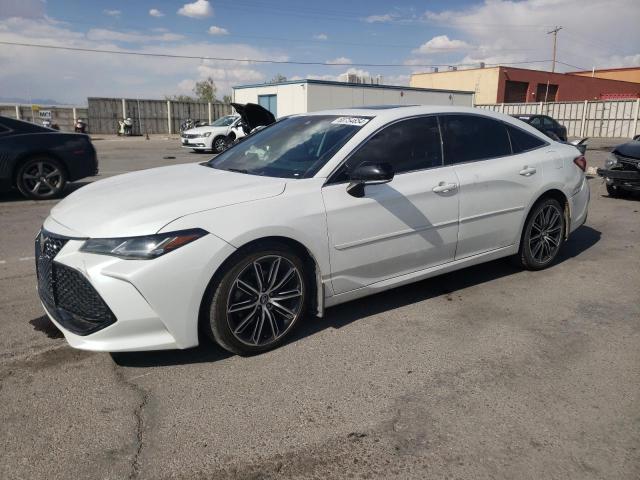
(547, 125)
(39, 161)
(622, 169)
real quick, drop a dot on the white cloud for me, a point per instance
(441, 43)
(102, 34)
(340, 61)
(22, 8)
(197, 9)
(112, 13)
(154, 12)
(213, 30)
(321, 36)
(386, 18)
(503, 31)
(143, 77)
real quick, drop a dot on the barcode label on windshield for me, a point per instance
(355, 121)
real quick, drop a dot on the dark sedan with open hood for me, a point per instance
(622, 169)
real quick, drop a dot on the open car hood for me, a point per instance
(630, 149)
(254, 115)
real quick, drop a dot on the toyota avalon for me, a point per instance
(312, 211)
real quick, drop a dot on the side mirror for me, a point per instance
(368, 174)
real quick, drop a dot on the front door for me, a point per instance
(399, 227)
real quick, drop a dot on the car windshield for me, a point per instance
(295, 147)
(224, 121)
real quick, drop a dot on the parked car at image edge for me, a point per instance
(622, 169)
(547, 125)
(39, 161)
(310, 212)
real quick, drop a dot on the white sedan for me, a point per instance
(214, 137)
(310, 212)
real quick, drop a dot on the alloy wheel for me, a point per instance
(42, 178)
(219, 144)
(265, 300)
(546, 234)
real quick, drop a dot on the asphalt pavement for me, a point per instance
(488, 372)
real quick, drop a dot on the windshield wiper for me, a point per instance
(237, 170)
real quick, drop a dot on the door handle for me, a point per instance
(527, 171)
(445, 187)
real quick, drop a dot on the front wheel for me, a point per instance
(543, 235)
(41, 178)
(258, 301)
(219, 144)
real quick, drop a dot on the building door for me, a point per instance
(270, 102)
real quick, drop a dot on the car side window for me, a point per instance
(549, 122)
(522, 141)
(407, 145)
(472, 137)
(536, 122)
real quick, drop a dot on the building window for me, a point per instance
(270, 102)
(515, 92)
(542, 95)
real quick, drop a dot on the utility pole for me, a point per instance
(555, 43)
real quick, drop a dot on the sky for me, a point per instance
(408, 35)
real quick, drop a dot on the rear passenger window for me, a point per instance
(407, 145)
(471, 137)
(522, 141)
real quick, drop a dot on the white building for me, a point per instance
(300, 96)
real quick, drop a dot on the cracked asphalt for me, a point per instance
(488, 372)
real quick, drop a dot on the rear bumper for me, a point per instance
(579, 206)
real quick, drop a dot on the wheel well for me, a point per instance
(232, 136)
(26, 157)
(562, 200)
(311, 270)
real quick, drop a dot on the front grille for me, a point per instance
(190, 135)
(66, 293)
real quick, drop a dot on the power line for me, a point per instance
(250, 60)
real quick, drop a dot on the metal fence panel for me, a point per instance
(61, 116)
(598, 118)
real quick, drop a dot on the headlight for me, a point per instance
(142, 248)
(206, 134)
(611, 161)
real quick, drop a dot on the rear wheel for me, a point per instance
(543, 235)
(258, 302)
(41, 178)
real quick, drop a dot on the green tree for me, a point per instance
(226, 99)
(277, 78)
(206, 90)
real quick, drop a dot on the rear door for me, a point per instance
(496, 185)
(398, 227)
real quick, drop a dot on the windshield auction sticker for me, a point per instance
(355, 121)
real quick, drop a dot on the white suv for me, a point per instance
(312, 211)
(214, 137)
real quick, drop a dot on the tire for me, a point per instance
(248, 314)
(219, 144)
(616, 192)
(41, 178)
(543, 235)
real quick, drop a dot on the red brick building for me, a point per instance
(509, 85)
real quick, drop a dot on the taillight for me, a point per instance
(581, 162)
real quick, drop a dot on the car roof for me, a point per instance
(20, 126)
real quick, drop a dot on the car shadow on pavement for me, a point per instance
(337, 317)
(14, 196)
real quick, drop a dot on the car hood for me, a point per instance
(254, 115)
(141, 203)
(630, 149)
(203, 129)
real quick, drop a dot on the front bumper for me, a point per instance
(155, 303)
(196, 143)
(627, 179)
